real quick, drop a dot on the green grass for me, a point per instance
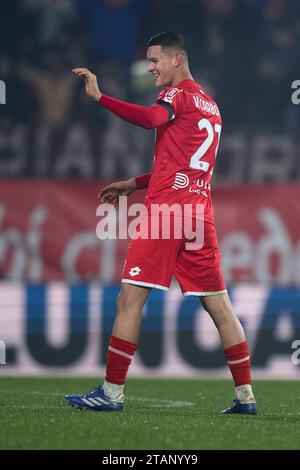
(159, 414)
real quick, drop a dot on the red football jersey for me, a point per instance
(185, 148)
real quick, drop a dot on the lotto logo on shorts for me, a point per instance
(135, 271)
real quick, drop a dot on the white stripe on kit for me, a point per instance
(119, 352)
(146, 284)
(238, 361)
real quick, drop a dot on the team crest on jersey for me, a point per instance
(181, 181)
(170, 95)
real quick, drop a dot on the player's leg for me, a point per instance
(150, 263)
(121, 349)
(236, 350)
(199, 273)
(124, 340)
(130, 303)
(229, 327)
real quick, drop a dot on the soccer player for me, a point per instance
(188, 124)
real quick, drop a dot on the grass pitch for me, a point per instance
(159, 414)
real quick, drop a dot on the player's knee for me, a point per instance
(125, 305)
(216, 309)
(219, 305)
(121, 303)
(221, 314)
(225, 316)
(223, 311)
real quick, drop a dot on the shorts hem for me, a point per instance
(144, 284)
(204, 294)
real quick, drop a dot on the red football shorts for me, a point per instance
(153, 262)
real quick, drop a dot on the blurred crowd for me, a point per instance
(245, 53)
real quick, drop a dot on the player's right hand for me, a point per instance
(91, 84)
(110, 194)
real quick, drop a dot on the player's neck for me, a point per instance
(180, 77)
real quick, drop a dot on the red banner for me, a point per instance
(48, 231)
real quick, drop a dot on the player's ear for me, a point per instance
(178, 59)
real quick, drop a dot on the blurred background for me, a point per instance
(57, 149)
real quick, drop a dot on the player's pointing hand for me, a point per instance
(91, 84)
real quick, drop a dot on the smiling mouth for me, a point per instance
(155, 76)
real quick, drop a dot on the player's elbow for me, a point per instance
(144, 121)
(149, 125)
(153, 118)
(148, 121)
(152, 122)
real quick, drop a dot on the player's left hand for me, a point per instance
(91, 84)
(111, 193)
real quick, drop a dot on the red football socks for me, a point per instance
(119, 357)
(238, 360)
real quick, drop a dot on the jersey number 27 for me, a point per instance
(195, 161)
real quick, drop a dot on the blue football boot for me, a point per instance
(96, 401)
(241, 408)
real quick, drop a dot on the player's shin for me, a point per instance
(119, 357)
(238, 360)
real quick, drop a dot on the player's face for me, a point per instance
(162, 66)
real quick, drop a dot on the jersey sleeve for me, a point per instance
(171, 99)
(149, 117)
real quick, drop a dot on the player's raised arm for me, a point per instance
(147, 117)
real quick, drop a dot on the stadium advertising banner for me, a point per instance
(60, 282)
(61, 329)
(48, 232)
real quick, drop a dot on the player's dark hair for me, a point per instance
(168, 39)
